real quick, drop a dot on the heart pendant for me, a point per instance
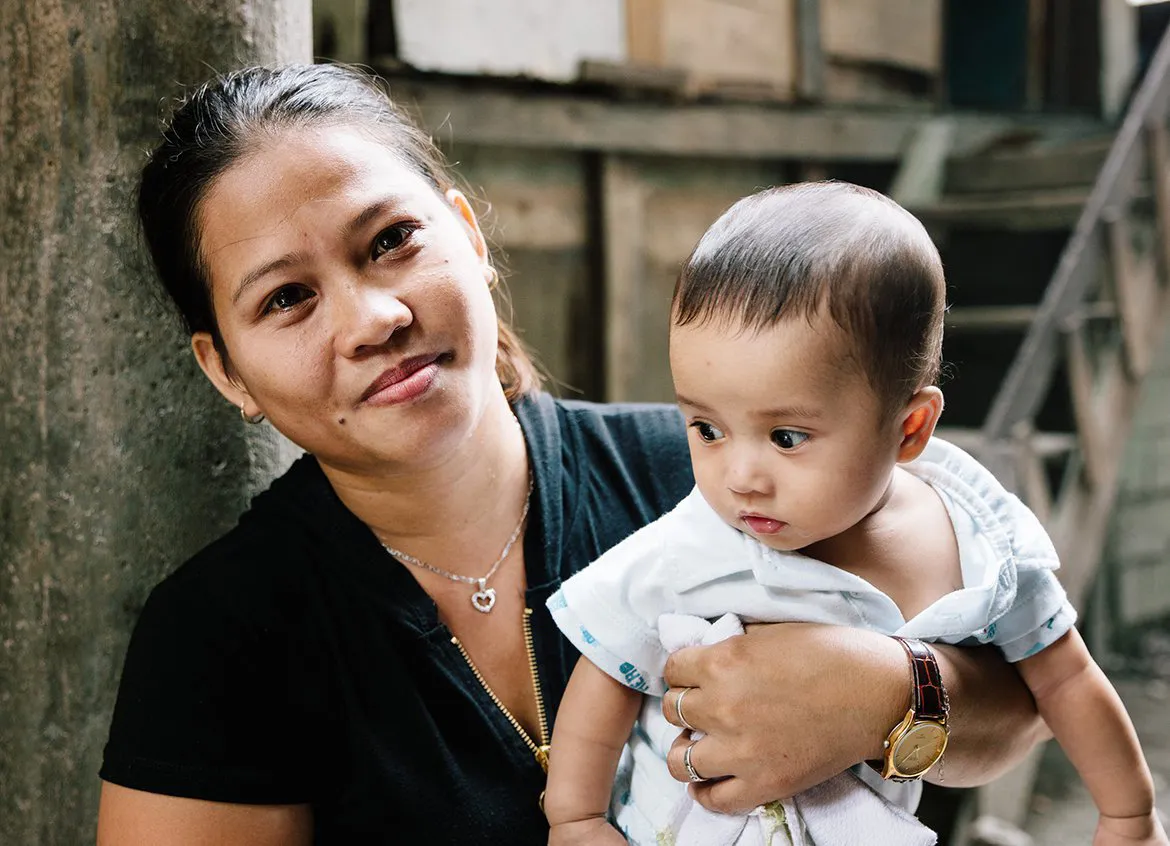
(484, 599)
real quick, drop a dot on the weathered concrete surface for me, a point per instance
(116, 457)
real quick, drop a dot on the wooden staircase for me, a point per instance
(1048, 376)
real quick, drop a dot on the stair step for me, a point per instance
(1037, 167)
(975, 319)
(1044, 444)
(1015, 210)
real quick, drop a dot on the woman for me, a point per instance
(367, 656)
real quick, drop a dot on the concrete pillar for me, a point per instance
(117, 458)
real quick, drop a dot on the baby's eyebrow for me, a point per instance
(695, 404)
(789, 411)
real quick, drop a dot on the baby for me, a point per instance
(806, 337)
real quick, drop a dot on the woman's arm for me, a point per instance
(131, 817)
(790, 705)
(593, 721)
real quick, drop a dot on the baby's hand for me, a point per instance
(591, 832)
(1127, 831)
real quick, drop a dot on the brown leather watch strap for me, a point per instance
(930, 697)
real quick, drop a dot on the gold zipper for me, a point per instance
(539, 750)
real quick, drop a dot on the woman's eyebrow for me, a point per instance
(372, 211)
(254, 275)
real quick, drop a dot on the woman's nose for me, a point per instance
(368, 317)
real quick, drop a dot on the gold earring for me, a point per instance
(259, 418)
(494, 282)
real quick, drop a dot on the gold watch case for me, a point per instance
(913, 747)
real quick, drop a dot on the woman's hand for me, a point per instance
(784, 708)
(790, 705)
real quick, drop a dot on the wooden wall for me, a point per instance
(590, 246)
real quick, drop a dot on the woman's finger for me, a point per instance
(726, 796)
(690, 714)
(686, 667)
(705, 759)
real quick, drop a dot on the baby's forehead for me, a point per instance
(811, 356)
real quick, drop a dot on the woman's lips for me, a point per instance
(762, 525)
(404, 382)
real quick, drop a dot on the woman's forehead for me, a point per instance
(304, 177)
(299, 165)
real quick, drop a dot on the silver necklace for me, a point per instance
(484, 597)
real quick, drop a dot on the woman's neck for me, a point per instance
(457, 513)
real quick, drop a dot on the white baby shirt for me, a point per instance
(691, 562)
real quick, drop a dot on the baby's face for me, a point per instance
(786, 434)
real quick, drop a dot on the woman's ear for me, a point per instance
(467, 214)
(918, 421)
(216, 370)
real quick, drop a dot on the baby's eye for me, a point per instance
(787, 438)
(391, 238)
(287, 298)
(706, 431)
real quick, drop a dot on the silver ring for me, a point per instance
(691, 772)
(678, 709)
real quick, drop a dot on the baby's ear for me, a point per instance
(919, 418)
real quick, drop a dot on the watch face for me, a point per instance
(919, 748)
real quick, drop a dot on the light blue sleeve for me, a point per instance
(609, 610)
(1040, 614)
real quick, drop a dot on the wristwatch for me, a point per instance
(915, 744)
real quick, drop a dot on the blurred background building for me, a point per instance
(603, 137)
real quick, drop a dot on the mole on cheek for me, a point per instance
(341, 420)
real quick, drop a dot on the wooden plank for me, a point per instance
(1119, 54)
(1080, 383)
(1032, 169)
(971, 319)
(1125, 278)
(902, 33)
(877, 86)
(1025, 385)
(718, 42)
(919, 179)
(810, 77)
(1031, 473)
(1159, 166)
(487, 112)
(1018, 211)
(627, 76)
(624, 264)
(1043, 444)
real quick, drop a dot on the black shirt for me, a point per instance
(292, 661)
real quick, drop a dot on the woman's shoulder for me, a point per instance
(265, 560)
(655, 429)
(620, 465)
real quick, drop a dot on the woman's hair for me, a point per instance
(224, 119)
(850, 251)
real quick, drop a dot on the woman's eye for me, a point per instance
(391, 238)
(286, 298)
(787, 438)
(706, 431)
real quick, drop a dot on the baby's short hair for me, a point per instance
(796, 250)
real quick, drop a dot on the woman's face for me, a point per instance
(352, 298)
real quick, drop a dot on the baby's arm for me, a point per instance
(1087, 717)
(593, 721)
